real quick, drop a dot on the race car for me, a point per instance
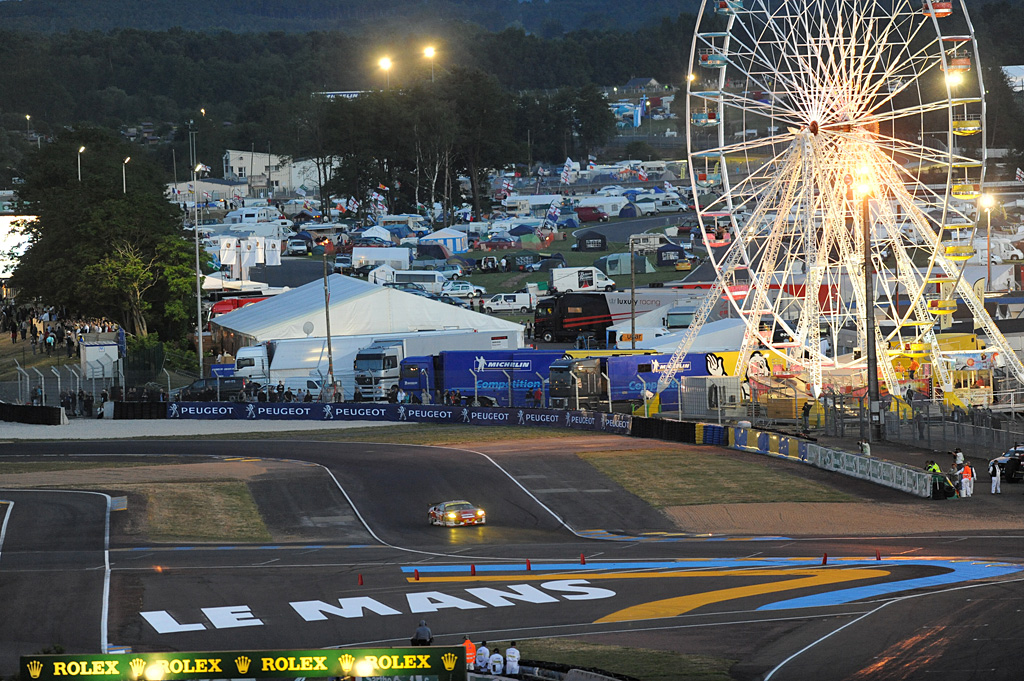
(452, 513)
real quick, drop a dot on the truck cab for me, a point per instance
(417, 375)
(577, 383)
(376, 368)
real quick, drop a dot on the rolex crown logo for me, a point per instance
(138, 666)
(242, 663)
(449, 660)
(35, 668)
(346, 661)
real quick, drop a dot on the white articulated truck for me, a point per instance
(377, 366)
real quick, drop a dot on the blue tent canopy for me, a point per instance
(629, 211)
(520, 230)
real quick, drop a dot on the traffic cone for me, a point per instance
(528, 568)
(583, 561)
(824, 559)
(472, 570)
(360, 580)
(417, 575)
(878, 555)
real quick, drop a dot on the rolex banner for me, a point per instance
(413, 413)
(431, 662)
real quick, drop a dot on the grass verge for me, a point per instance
(640, 663)
(200, 512)
(674, 477)
(9, 468)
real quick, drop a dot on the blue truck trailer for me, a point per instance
(490, 377)
(589, 382)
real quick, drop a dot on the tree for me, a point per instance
(97, 250)
(484, 124)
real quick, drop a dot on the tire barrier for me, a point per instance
(36, 416)
(140, 410)
(663, 429)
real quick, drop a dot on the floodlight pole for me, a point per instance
(874, 407)
(327, 318)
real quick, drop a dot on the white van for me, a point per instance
(431, 281)
(307, 384)
(509, 302)
(569, 279)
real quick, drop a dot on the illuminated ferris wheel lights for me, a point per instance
(954, 78)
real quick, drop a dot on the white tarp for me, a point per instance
(717, 336)
(378, 232)
(357, 307)
(398, 257)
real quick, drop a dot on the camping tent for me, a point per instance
(618, 263)
(591, 241)
(531, 241)
(454, 240)
(378, 232)
(521, 259)
(629, 210)
(520, 230)
(569, 223)
(670, 254)
(436, 251)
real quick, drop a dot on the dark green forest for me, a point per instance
(549, 18)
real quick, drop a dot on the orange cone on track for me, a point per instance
(360, 580)
(472, 570)
(417, 573)
(824, 559)
(528, 567)
(583, 561)
(878, 555)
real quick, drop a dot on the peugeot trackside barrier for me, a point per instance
(886, 473)
(411, 413)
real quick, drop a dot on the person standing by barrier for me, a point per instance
(512, 661)
(497, 662)
(967, 477)
(996, 473)
(483, 656)
(470, 653)
(805, 416)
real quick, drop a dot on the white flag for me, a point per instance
(260, 243)
(273, 253)
(228, 251)
(248, 253)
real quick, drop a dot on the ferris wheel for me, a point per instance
(825, 134)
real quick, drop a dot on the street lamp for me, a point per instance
(987, 201)
(80, 150)
(429, 54)
(199, 285)
(874, 408)
(124, 179)
(28, 125)
(385, 64)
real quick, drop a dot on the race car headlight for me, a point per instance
(480, 512)
(452, 516)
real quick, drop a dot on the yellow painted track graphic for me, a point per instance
(672, 607)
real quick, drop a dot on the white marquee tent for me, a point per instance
(356, 307)
(453, 240)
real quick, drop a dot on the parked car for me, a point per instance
(451, 300)
(449, 270)
(498, 243)
(591, 214)
(1011, 464)
(372, 241)
(342, 263)
(407, 286)
(452, 513)
(298, 247)
(463, 289)
(363, 270)
(206, 389)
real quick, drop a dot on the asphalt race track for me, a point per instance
(566, 551)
